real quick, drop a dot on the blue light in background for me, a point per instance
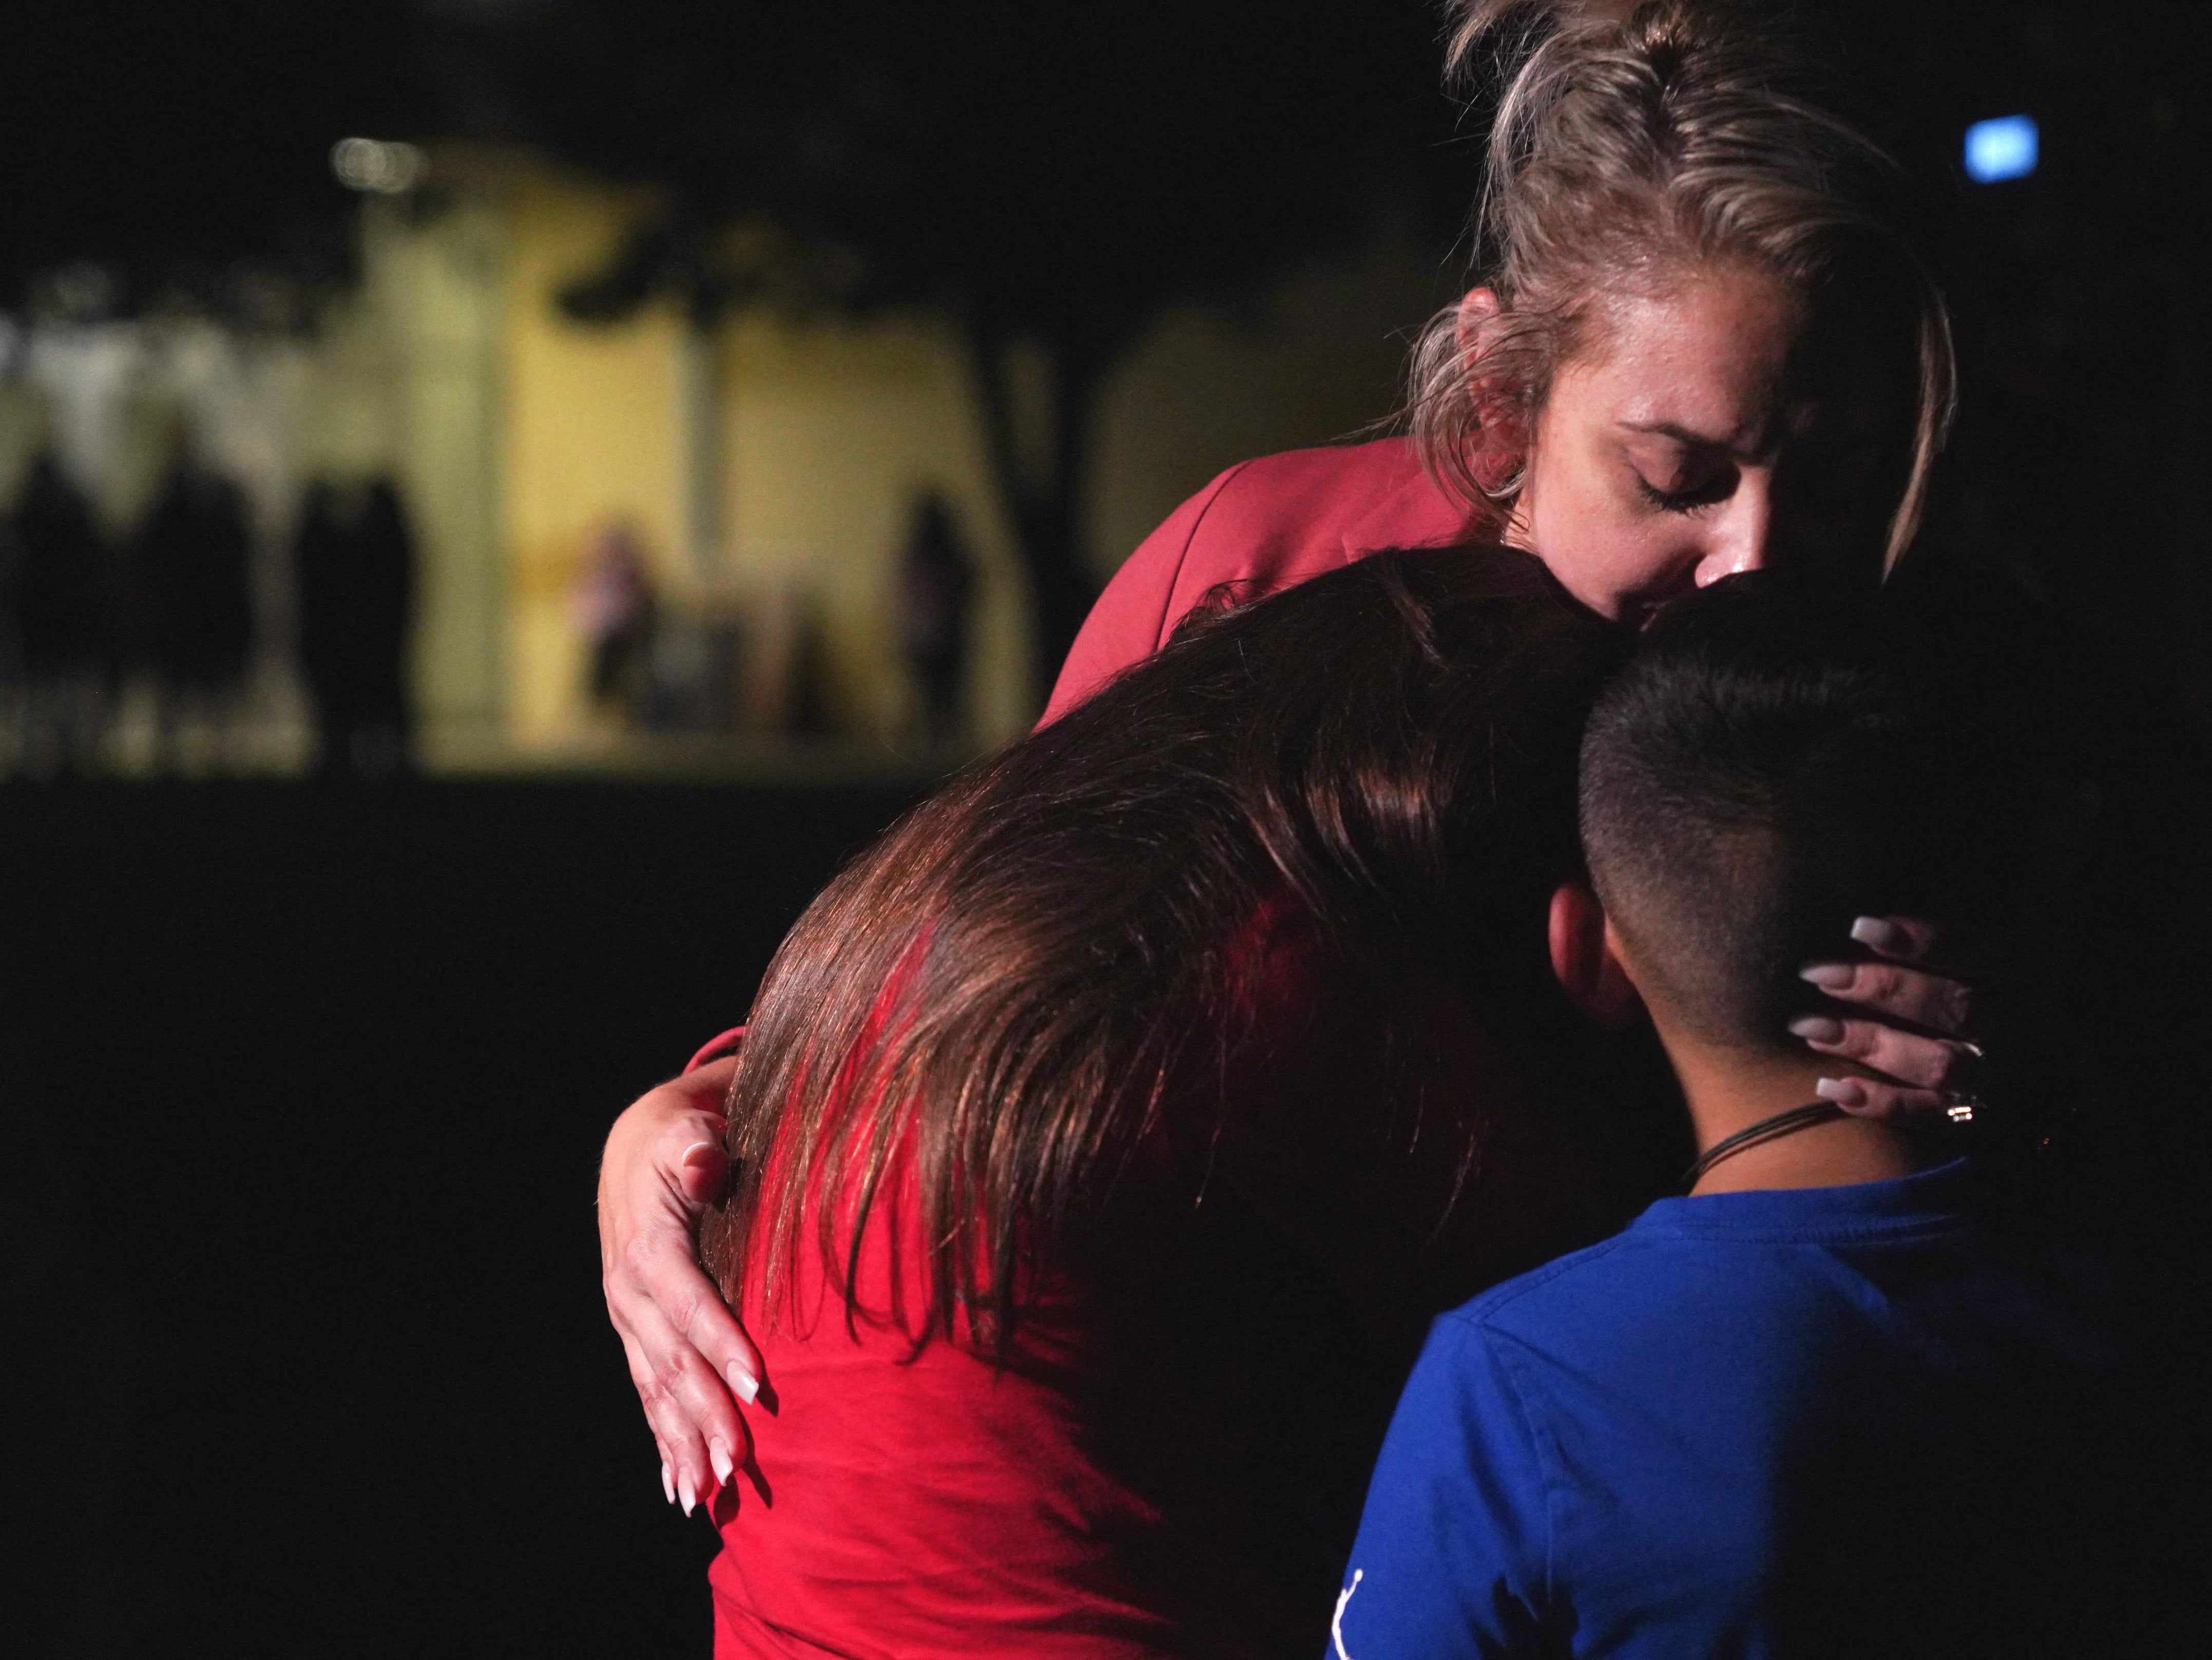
(2001, 149)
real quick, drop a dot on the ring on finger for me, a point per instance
(1964, 1099)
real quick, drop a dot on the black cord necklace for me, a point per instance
(1782, 1123)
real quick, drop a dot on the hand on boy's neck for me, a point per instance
(1729, 1088)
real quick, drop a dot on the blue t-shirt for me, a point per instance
(1853, 1421)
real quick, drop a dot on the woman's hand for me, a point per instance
(1924, 1072)
(663, 1166)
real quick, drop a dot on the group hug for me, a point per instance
(1436, 1104)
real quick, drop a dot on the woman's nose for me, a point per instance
(1741, 536)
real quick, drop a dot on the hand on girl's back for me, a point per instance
(689, 1357)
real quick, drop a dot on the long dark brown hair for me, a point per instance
(1040, 977)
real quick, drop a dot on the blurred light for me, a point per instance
(372, 164)
(2000, 149)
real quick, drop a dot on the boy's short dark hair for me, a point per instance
(1766, 767)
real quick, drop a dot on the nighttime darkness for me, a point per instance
(1453, 759)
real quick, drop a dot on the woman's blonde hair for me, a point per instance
(1632, 143)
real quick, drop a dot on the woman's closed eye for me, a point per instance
(1702, 488)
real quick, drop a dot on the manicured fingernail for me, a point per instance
(719, 1456)
(744, 1384)
(1846, 1092)
(1879, 933)
(1829, 977)
(668, 1482)
(690, 1497)
(691, 1159)
(1817, 1029)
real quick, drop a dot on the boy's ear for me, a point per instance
(1583, 957)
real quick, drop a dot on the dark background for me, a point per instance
(301, 1088)
(304, 1090)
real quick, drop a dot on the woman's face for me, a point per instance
(1718, 430)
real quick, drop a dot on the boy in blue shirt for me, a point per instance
(1836, 1400)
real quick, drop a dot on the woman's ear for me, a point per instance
(1501, 448)
(1589, 970)
(1477, 309)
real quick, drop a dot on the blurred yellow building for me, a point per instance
(768, 469)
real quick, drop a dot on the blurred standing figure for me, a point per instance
(192, 560)
(614, 611)
(63, 615)
(936, 576)
(353, 561)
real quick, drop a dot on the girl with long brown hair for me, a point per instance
(1218, 1006)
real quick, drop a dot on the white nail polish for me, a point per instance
(687, 1160)
(690, 1498)
(1876, 934)
(1845, 1092)
(668, 1482)
(744, 1384)
(719, 1456)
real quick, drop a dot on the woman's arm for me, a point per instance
(688, 1355)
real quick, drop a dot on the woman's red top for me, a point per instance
(907, 1503)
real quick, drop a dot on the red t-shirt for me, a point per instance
(1166, 1470)
(926, 1502)
(1173, 1463)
